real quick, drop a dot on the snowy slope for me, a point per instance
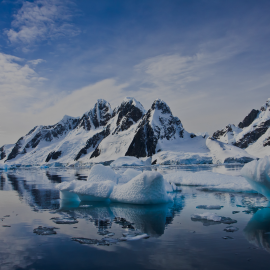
(60, 142)
(252, 134)
(123, 125)
(227, 153)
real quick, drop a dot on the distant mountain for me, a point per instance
(101, 134)
(252, 134)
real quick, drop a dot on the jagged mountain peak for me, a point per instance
(266, 105)
(158, 124)
(134, 102)
(161, 105)
(66, 119)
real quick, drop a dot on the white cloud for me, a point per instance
(40, 20)
(36, 61)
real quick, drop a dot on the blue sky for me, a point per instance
(208, 59)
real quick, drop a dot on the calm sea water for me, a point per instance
(28, 199)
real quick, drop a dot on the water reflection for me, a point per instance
(53, 177)
(41, 194)
(150, 219)
(257, 231)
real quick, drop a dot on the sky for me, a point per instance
(207, 59)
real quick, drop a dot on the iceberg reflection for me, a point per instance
(257, 231)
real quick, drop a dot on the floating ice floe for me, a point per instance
(231, 229)
(209, 207)
(131, 161)
(65, 220)
(44, 230)
(210, 181)
(257, 173)
(207, 216)
(146, 188)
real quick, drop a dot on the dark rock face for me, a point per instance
(31, 131)
(53, 155)
(249, 119)
(266, 142)
(2, 153)
(103, 134)
(147, 134)
(254, 135)
(45, 133)
(128, 114)
(219, 133)
(98, 116)
(93, 142)
(16, 149)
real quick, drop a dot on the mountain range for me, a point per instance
(104, 134)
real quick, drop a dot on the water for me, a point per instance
(28, 199)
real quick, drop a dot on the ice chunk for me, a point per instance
(65, 220)
(133, 238)
(207, 216)
(210, 181)
(94, 191)
(45, 230)
(257, 173)
(128, 161)
(231, 229)
(102, 173)
(146, 188)
(214, 207)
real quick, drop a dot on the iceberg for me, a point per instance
(257, 173)
(139, 188)
(146, 188)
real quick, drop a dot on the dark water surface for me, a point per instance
(28, 199)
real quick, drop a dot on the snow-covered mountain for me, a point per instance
(104, 135)
(100, 135)
(252, 134)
